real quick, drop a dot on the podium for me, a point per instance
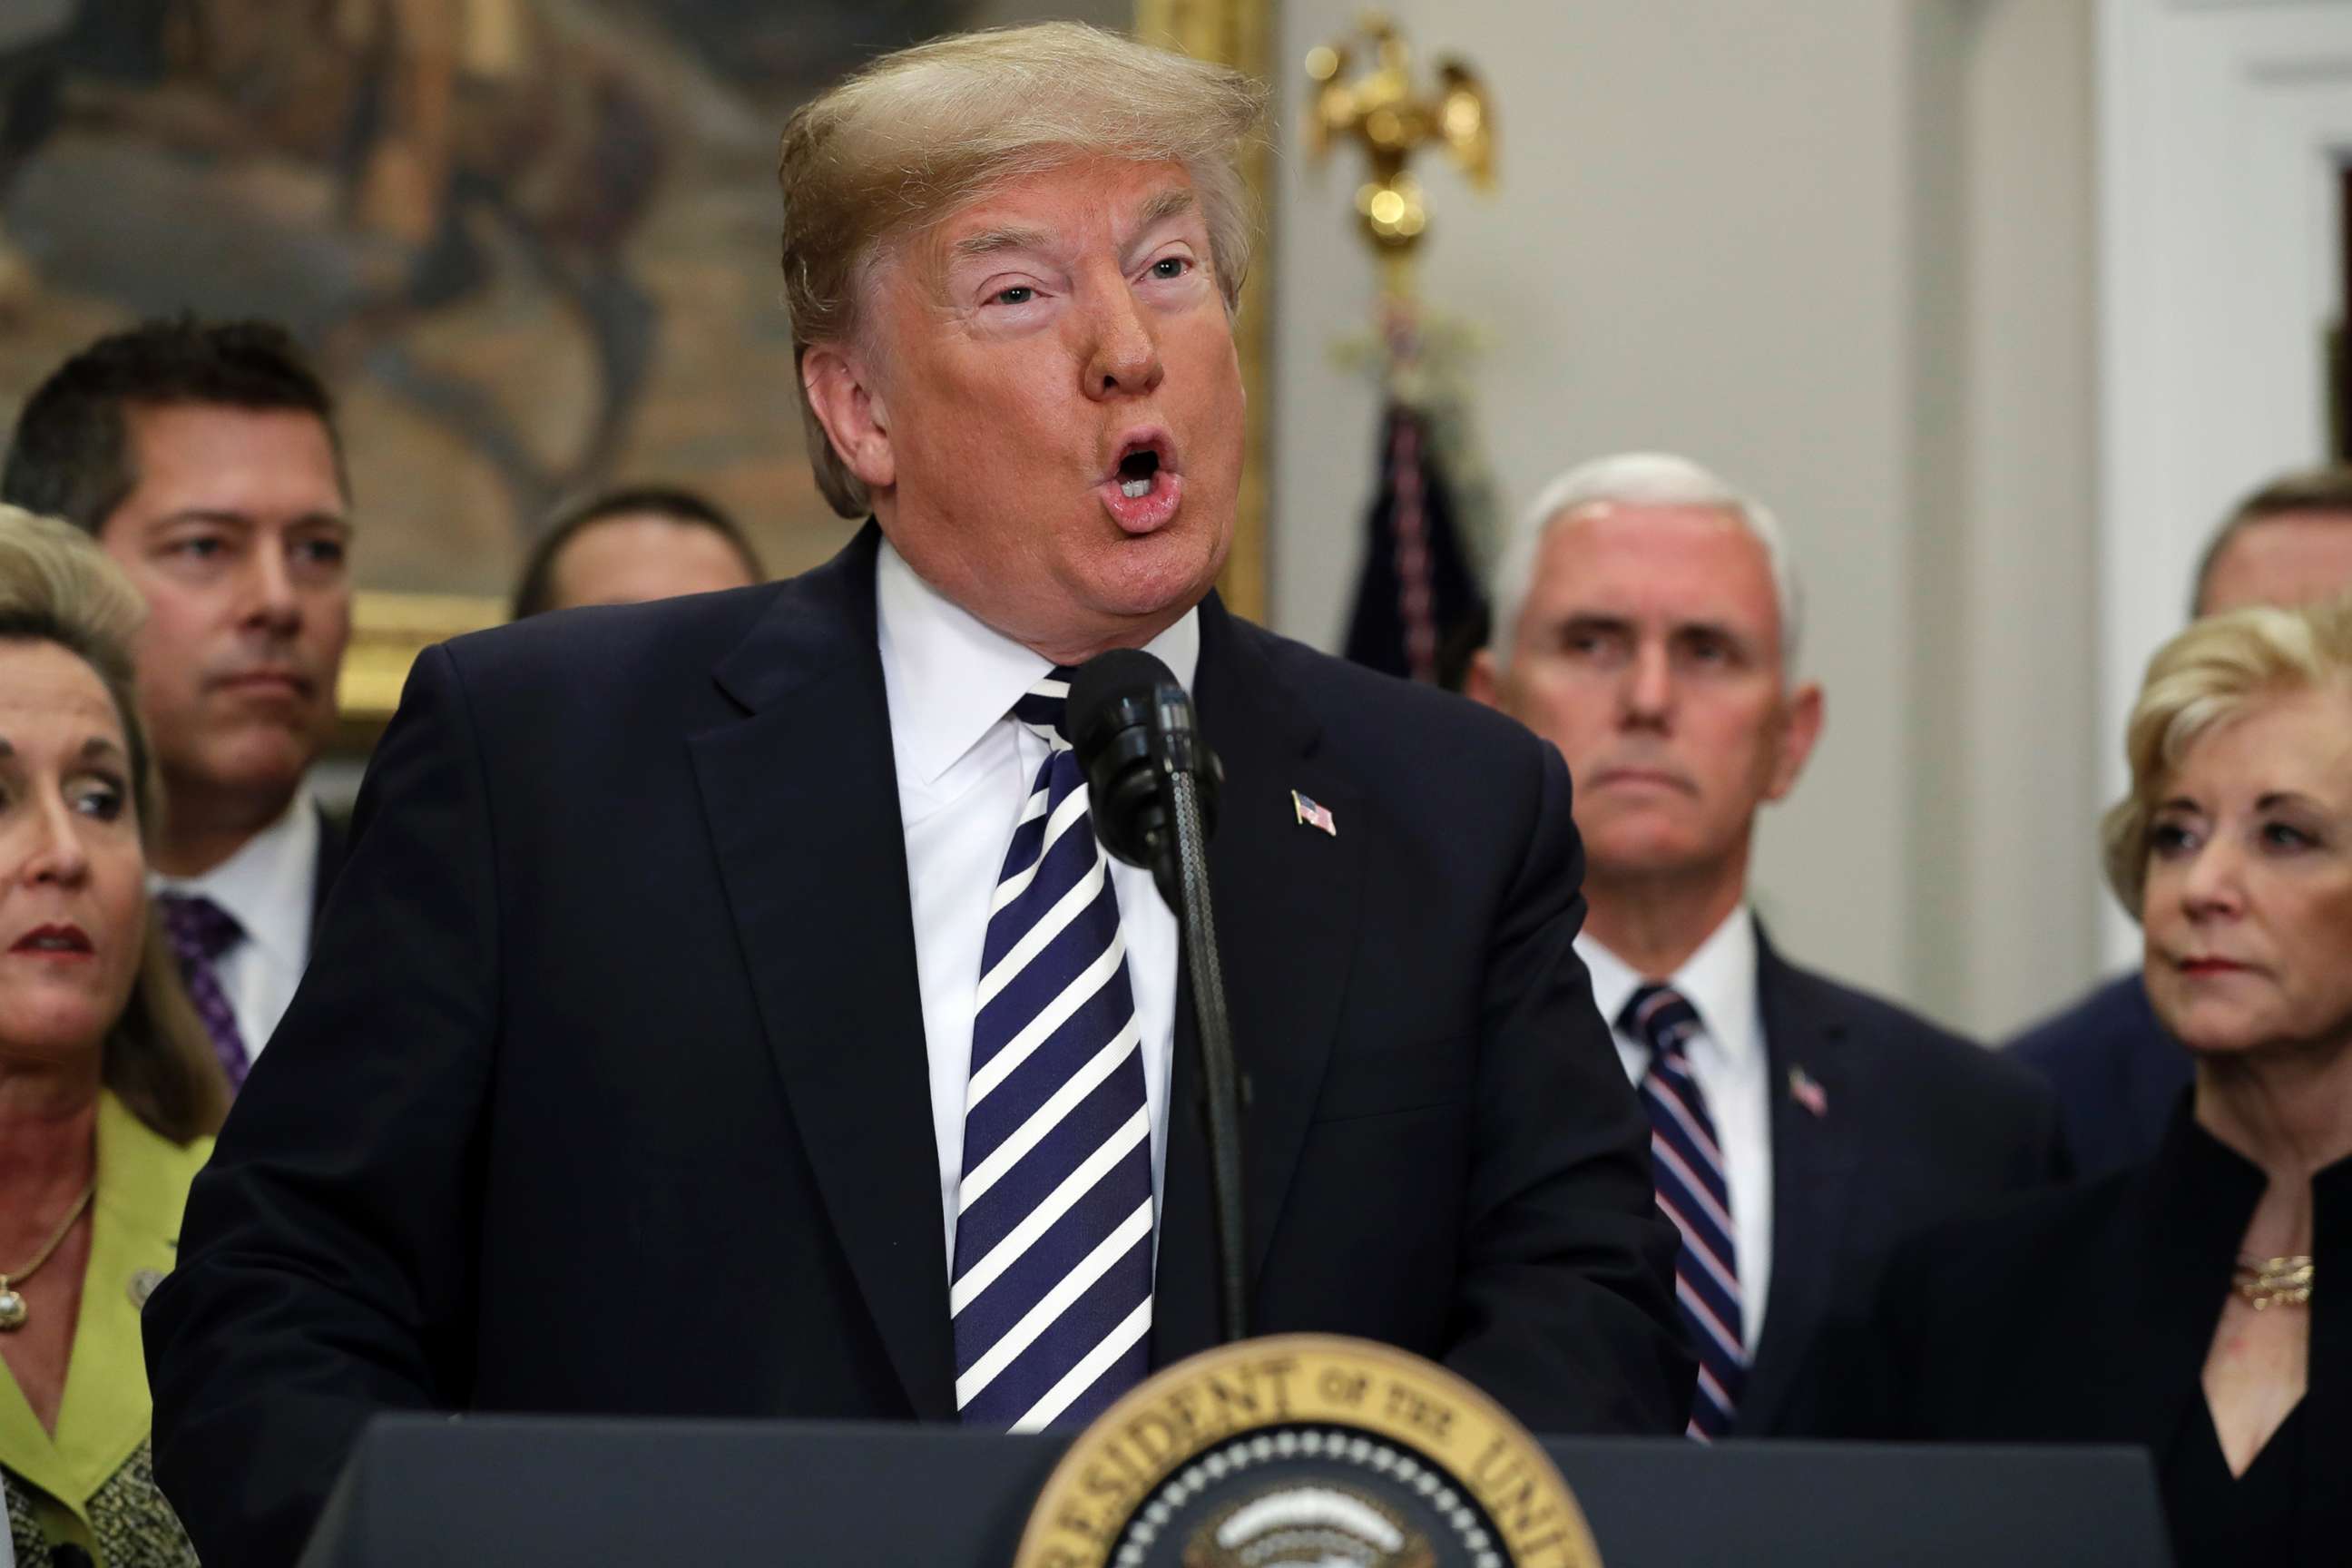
(584, 1492)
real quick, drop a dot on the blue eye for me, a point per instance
(98, 800)
(1171, 266)
(1019, 294)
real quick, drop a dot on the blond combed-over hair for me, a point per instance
(922, 132)
(56, 587)
(2208, 675)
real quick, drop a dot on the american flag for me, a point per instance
(1313, 816)
(1807, 1092)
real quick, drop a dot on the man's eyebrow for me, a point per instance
(223, 518)
(1724, 630)
(1168, 204)
(994, 241)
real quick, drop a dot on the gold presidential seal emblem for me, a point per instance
(1306, 1451)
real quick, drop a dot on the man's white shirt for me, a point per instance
(1734, 1071)
(269, 886)
(964, 770)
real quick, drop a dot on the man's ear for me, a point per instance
(852, 411)
(1480, 682)
(1800, 727)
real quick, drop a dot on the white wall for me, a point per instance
(2223, 124)
(1791, 242)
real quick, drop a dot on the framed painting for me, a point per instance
(530, 243)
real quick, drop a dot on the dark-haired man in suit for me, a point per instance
(204, 457)
(726, 1008)
(1646, 623)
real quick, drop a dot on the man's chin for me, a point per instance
(1161, 576)
(262, 761)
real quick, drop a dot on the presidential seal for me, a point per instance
(1306, 1451)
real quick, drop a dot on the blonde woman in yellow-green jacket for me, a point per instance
(109, 1088)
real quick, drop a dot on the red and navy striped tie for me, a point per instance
(1688, 1162)
(1051, 1291)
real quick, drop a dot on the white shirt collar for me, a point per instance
(951, 677)
(1719, 980)
(268, 884)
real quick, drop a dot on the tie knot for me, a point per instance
(1045, 706)
(1659, 1018)
(198, 927)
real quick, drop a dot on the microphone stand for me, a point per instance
(1152, 782)
(1185, 864)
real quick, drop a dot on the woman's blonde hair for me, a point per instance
(56, 587)
(2207, 676)
(919, 133)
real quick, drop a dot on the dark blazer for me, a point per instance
(1917, 1125)
(607, 1090)
(334, 844)
(2084, 1315)
(2119, 1075)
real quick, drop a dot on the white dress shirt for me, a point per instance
(1733, 1070)
(965, 767)
(269, 886)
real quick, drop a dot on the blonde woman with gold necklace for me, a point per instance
(2201, 1304)
(108, 1090)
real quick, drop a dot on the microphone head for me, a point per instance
(1109, 720)
(1105, 685)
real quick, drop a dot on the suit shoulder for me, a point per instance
(1358, 706)
(2115, 1013)
(1912, 1049)
(695, 631)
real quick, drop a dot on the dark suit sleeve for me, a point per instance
(324, 1268)
(1565, 1309)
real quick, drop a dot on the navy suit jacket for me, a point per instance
(607, 1087)
(1916, 1125)
(2116, 1072)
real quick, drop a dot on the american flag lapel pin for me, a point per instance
(1807, 1092)
(1313, 816)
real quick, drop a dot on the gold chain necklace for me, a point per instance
(2268, 1282)
(12, 1303)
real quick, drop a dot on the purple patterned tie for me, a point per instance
(201, 930)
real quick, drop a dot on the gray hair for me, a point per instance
(919, 133)
(1639, 479)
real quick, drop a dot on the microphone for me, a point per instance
(1131, 725)
(1152, 789)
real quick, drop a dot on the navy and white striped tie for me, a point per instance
(1052, 1286)
(1687, 1163)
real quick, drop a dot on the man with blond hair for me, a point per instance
(1648, 622)
(727, 1008)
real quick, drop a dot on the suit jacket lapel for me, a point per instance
(802, 799)
(1286, 905)
(1814, 1157)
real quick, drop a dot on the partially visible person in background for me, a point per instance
(1646, 622)
(109, 1090)
(2115, 1073)
(628, 546)
(2176, 1305)
(203, 458)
